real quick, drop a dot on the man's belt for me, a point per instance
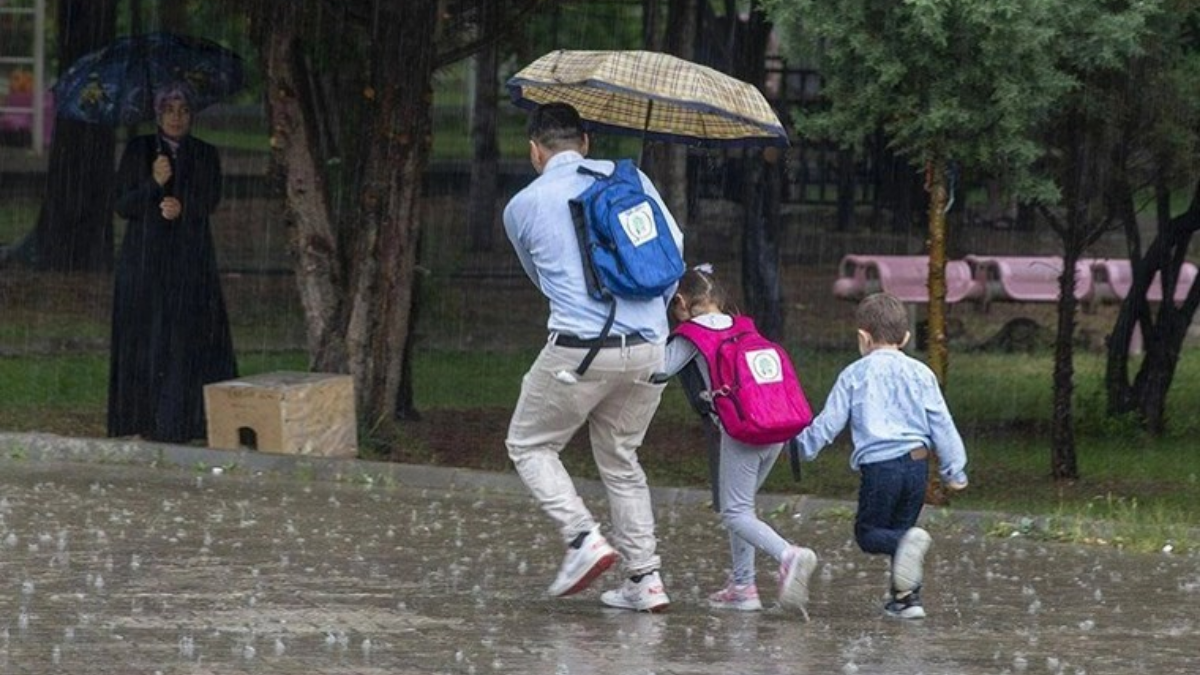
(610, 342)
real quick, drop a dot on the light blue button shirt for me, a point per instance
(538, 223)
(893, 405)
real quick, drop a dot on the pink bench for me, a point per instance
(1114, 277)
(904, 276)
(1027, 279)
(22, 122)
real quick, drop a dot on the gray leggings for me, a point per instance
(743, 470)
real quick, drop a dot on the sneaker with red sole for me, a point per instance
(582, 565)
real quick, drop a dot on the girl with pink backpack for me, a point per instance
(746, 385)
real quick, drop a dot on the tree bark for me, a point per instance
(845, 189)
(1086, 164)
(666, 163)
(384, 258)
(1164, 330)
(173, 15)
(296, 163)
(1062, 457)
(761, 192)
(938, 354)
(760, 242)
(936, 315)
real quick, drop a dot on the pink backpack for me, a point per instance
(754, 389)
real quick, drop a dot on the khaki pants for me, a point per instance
(616, 400)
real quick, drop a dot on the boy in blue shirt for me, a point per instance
(896, 413)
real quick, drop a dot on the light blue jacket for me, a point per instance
(538, 223)
(893, 404)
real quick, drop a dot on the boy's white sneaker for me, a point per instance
(795, 571)
(645, 595)
(582, 565)
(908, 565)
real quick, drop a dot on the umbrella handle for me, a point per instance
(161, 151)
(645, 128)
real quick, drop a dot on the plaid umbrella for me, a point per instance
(652, 95)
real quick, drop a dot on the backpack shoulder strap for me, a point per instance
(704, 338)
(618, 166)
(743, 324)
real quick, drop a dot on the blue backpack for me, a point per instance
(628, 250)
(625, 242)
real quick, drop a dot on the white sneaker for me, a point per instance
(794, 573)
(908, 565)
(582, 565)
(647, 595)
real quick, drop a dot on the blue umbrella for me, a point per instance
(115, 85)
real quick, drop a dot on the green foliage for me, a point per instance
(1108, 521)
(969, 80)
(582, 25)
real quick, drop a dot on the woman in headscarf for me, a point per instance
(170, 329)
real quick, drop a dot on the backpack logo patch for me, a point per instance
(638, 223)
(764, 365)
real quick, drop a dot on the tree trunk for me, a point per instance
(394, 156)
(74, 230)
(1164, 330)
(936, 316)
(173, 15)
(845, 189)
(760, 242)
(761, 192)
(938, 356)
(406, 397)
(481, 210)
(1086, 165)
(1062, 457)
(297, 162)
(666, 163)
(1132, 310)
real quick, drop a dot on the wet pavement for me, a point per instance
(110, 568)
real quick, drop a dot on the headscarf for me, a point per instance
(175, 91)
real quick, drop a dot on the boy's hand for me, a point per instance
(957, 486)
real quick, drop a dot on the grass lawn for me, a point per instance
(1144, 487)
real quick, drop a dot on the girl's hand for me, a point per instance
(161, 170)
(171, 208)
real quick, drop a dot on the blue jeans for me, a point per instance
(890, 497)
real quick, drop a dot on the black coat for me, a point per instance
(170, 329)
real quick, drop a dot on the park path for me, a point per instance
(134, 569)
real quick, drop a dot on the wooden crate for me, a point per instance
(284, 412)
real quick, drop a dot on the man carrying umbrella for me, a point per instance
(613, 397)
